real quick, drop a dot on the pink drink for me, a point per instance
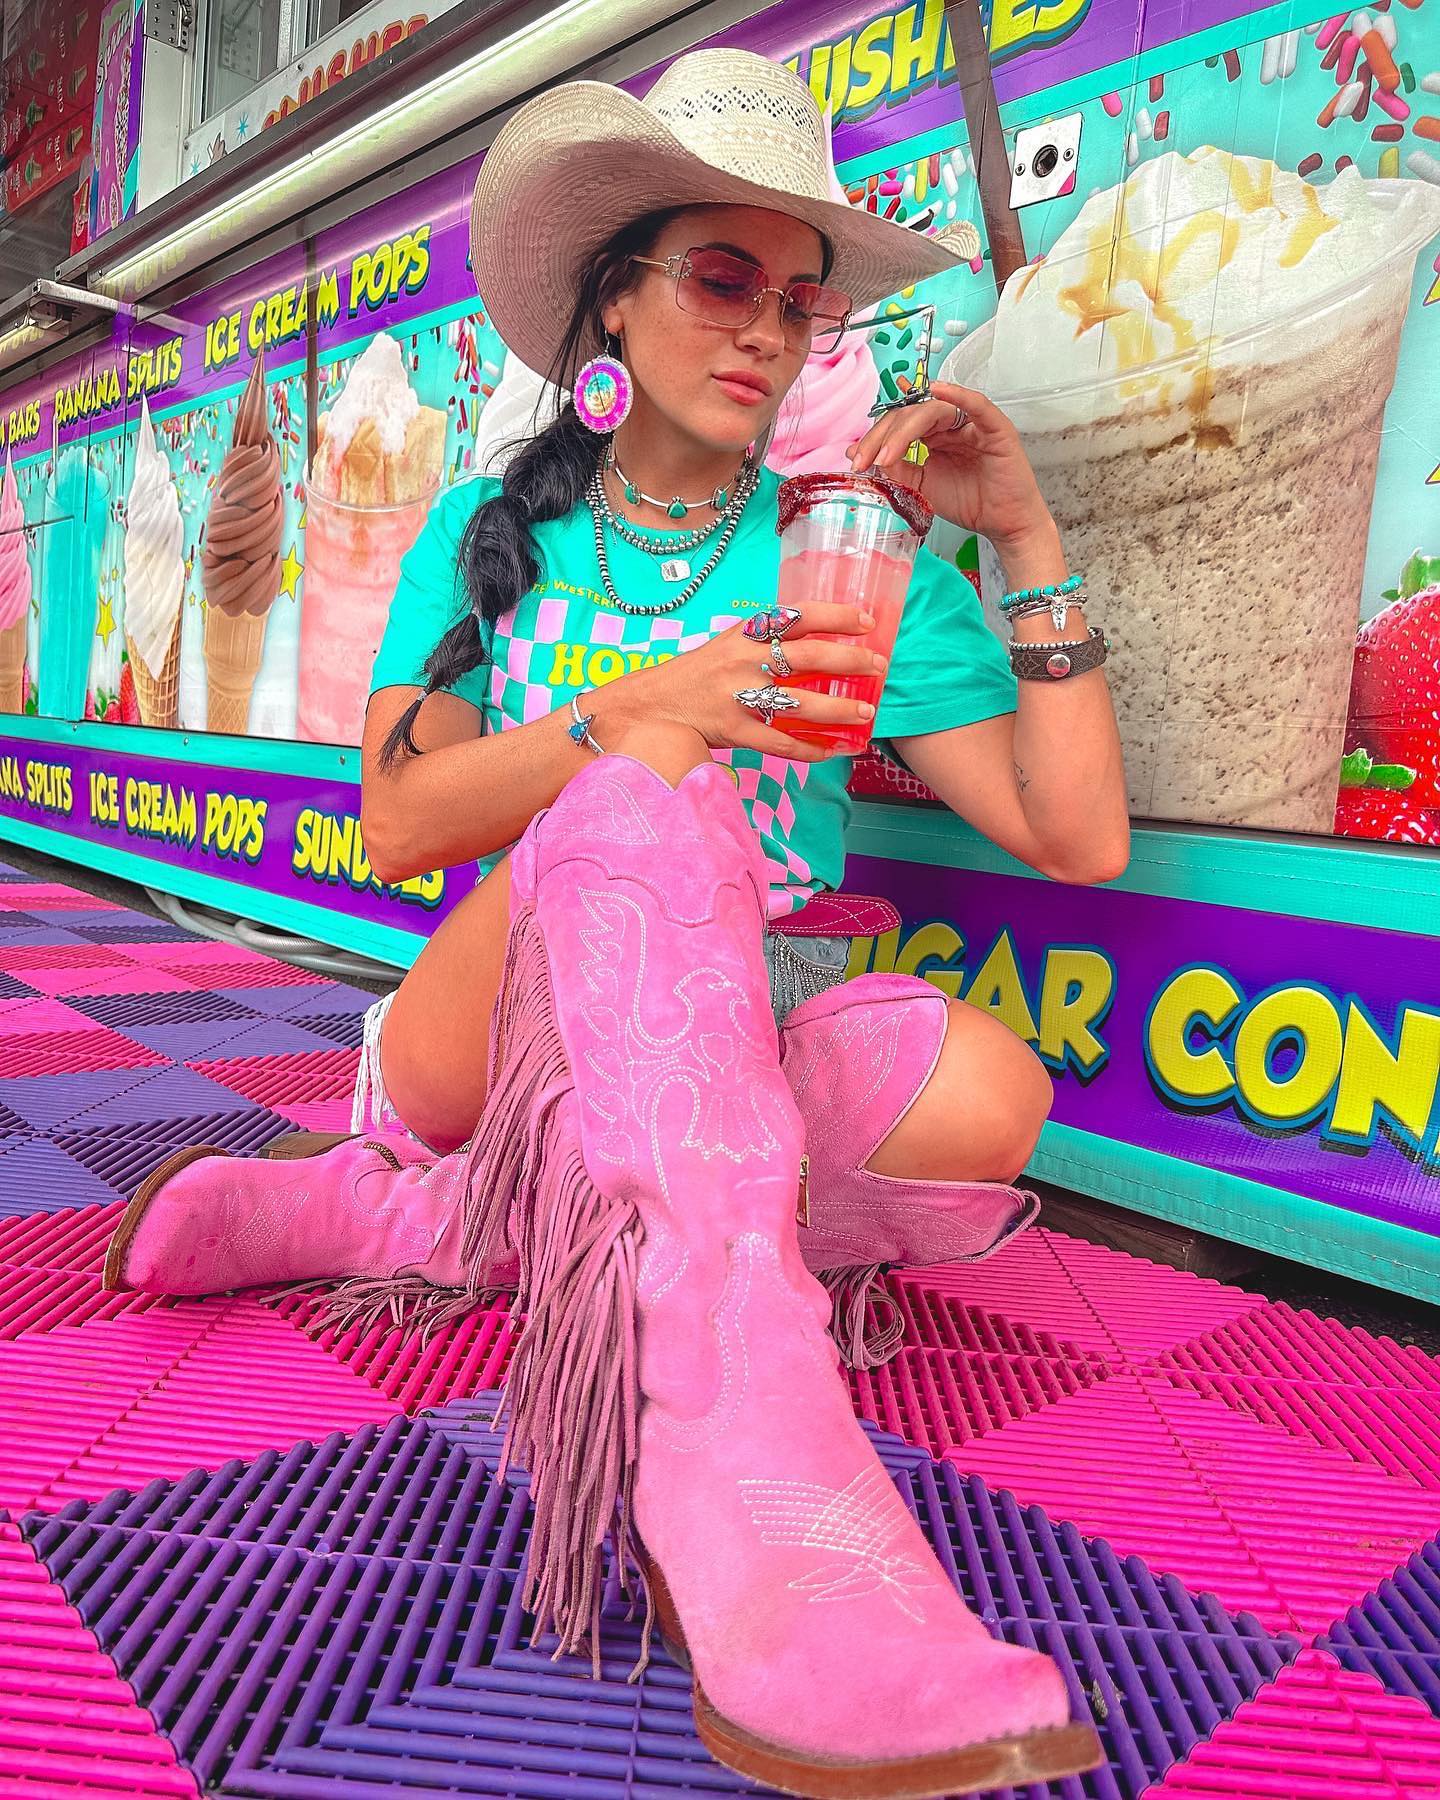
(847, 539)
(877, 583)
(352, 568)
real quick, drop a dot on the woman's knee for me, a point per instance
(1005, 1088)
(979, 1115)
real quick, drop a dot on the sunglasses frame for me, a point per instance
(675, 267)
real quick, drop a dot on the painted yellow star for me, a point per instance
(1434, 293)
(105, 624)
(290, 572)
(1433, 476)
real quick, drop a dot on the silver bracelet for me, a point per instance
(580, 730)
(1056, 608)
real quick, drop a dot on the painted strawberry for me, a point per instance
(129, 705)
(90, 712)
(1395, 687)
(1376, 801)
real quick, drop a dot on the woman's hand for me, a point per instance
(698, 687)
(977, 476)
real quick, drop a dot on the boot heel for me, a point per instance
(672, 1633)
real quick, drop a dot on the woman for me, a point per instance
(612, 1102)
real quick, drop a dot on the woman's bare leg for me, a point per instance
(435, 1046)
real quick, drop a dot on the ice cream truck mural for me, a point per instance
(1205, 285)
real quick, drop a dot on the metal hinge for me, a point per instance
(170, 22)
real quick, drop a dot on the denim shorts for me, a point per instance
(801, 967)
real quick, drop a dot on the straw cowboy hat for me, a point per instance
(719, 128)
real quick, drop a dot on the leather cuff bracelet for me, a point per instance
(1053, 662)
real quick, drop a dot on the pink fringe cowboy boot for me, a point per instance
(674, 1381)
(857, 1058)
(382, 1212)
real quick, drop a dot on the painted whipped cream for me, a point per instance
(1198, 371)
(15, 587)
(523, 404)
(154, 551)
(376, 390)
(1191, 251)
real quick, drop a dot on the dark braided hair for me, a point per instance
(544, 480)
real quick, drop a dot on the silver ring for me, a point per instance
(961, 417)
(780, 665)
(767, 701)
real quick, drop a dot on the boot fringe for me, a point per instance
(572, 1388)
(865, 1318)
(411, 1302)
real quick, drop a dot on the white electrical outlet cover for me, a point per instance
(1044, 161)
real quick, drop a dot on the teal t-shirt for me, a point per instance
(565, 635)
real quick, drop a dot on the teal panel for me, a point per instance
(1245, 1212)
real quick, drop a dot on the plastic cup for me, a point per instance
(352, 568)
(850, 539)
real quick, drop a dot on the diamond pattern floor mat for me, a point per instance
(241, 1553)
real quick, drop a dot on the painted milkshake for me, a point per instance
(1199, 370)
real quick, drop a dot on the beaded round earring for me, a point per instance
(603, 392)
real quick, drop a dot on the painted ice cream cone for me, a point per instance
(378, 463)
(240, 566)
(157, 690)
(154, 580)
(14, 594)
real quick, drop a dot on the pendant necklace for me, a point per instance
(675, 508)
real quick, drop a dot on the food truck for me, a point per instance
(1205, 287)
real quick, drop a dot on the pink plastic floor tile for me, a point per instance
(69, 1726)
(73, 1052)
(35, 1301)
(1110, 1461)
(62, 1390)
(1145, 1307)
(1396, 1429)
(1027, 1286)
(1317, 1732)
(304, 1076)
(40, 896)
(1276, 1341)
(1323, 1527)
(456, 1361)
(317, 1115)
(30, 1018)
(73, 1241)
(213, 1403)
(941, 1398)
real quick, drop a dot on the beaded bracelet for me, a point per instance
(580, 730)
(1053, 598)
(1048, 592)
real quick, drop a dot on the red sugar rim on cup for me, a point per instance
(801, 492)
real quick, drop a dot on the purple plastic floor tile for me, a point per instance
(38, 1176)
(164, 1092)
(48, 1102)
(13, 989)
(346, 1029)
(373, 1580)
(124, 1155)
(124, 1012)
